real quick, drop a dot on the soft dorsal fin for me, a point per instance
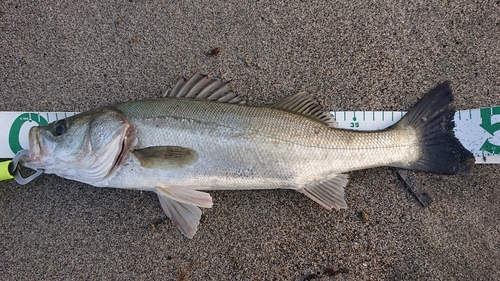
(303, 104)
(203, 86)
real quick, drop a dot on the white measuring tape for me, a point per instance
(15, 126)
(477, 129)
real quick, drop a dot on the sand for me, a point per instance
(377, 55)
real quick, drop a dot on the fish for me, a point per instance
(201, 136)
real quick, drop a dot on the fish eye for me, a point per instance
(60, 127)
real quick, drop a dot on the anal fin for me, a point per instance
(328, 193)
(180, 204)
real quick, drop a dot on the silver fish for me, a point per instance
(202, 137)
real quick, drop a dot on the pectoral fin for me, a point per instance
(180, 204)
(328, 193)
(166, 157)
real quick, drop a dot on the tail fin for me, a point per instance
(432, 118)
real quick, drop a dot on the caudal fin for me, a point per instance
(432, 119)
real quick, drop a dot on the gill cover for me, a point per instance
(84, 147)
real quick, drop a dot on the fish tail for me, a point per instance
(432, 119)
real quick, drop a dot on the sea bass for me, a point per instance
(202, 137)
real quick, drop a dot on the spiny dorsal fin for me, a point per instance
(203, 86)
(303, 104)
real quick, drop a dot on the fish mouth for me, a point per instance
(36, 156)
(35, 146)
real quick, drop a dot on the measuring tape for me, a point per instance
(477, 129)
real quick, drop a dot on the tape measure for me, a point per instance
(477, 129)
(15, 126)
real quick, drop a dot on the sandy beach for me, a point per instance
(352, 55)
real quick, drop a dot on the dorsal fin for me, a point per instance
(203, 86)
(303, 104)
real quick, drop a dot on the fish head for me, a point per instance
(86, 147)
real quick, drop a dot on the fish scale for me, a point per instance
(234, 138)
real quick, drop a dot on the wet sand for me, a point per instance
(382, 55)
